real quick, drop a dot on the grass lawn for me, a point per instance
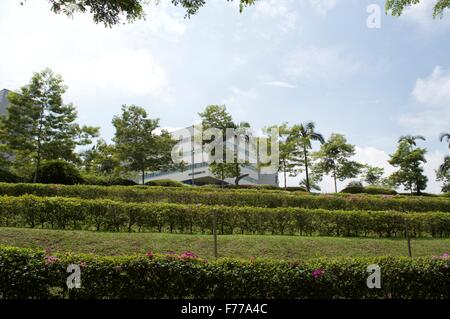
(242, 246)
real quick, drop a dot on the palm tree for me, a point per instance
(444, 167)
(445, 136)
(306, 134)
(411, 140)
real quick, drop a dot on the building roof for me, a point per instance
(4, 103)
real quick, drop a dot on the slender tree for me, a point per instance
(334, 158)
(306, 134)
(139, 147)
(409, 159)
(39, 126)
(287, 142)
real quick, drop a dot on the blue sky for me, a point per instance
(279, 61)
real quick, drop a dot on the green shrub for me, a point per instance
(373, 190)
(28, 273)
(165, 183)
(8, 177)
(377, 190)
(257, 198)
(103, 214)
(59, 172)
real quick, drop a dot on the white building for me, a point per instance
(198, 173)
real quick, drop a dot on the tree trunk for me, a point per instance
(285, 178)
(306, 168)
(39, 146)
(143, 176)
(335, 181)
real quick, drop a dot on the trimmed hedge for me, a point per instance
(26, 273)
(74, 213)
(257, 198)
(373, 190)
(165, 183)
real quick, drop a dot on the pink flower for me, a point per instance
(149, 254)
(188, 255)
(445, 255)
(48, 250)
(82, 264)
(317, 273)
(51, 260)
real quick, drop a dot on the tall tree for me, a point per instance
(372, 175)
(334, 158)
(39, 126)
(409, 159)
(287, 143)
(138, 145)
(217, 117)
(111, 12)
(443, 174)
(306, 134)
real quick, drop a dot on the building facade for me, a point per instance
(197, 171)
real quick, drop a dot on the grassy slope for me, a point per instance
(280, 247)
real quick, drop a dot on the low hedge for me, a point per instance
(74, 213)
(26, 273)
(373, 190)
(257, 198)
(166, 183)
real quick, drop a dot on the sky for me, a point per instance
(278, 61)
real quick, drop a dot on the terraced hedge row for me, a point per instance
(103, 214)
(34, 274)
(233, 197)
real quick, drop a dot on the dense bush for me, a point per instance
(8, 177)
(165, 183)
(99, 180)
(64, 213)
(257, 198)
(59, 172)
(28, 273)
(373, 190)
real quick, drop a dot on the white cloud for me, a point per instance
(322, 7)
(133, 72)
(433, 90)
(276, 9)
(280, 84)
(432, 94)
(90, 57)
(321, 63)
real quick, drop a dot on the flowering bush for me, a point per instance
(25, 274)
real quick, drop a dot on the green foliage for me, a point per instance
(396, 7)
(34, 274)
(59, 172)
(334, 159)
(165, 183)
(232, 197)
(101, 159)
(305, 134)
(374, 190)
(111, 12)
(138, 146)
(39, 126)
(8, 177)
(372, 175)
(103, 214)
(409, 159)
